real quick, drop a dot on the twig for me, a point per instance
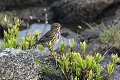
(88, 25)
(46, 22)
(104, 56)
(107, 51)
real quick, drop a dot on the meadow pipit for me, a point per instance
(52, 36)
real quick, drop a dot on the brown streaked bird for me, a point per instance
(53, 35)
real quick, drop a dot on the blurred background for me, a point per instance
(71, 14)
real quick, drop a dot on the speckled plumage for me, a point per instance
(53, 35)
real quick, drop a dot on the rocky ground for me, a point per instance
(19, 65)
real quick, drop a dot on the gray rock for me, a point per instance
(9, 4)
(65, 11)
(18, 65)
(79, 10)
(88, 34)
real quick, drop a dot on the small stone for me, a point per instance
(118, 62)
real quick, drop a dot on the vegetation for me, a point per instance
(74, 66)
(71, 65)
(11, 36)
(110, 35)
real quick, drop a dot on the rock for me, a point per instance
(109, 14)
(69, 34)
(88, 34)
(68, 11)
(114, 50)
(118, 62)
(10, 4)
(65, 11)
(19, 65)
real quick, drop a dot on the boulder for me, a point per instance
(65, 11)
(10, 4)
(17, 64)
(75, 11)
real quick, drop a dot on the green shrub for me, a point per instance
(11, 36)
(74, 66)
(6, 21)
(10, 39)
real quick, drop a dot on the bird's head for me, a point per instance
(55, 26)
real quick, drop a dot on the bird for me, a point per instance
(52, 36)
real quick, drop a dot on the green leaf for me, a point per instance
(62, 46)
(84, 64)
(89, 60)
(114, 58)
(98, 68)
(83, 45)
(98, 77)
(37, 32)
(78, 70)
(71, 43)
(94, 63)
(40, 47)
(61, 64)
(97, 57)
(110, 68)
(44, 68)
(90, 75)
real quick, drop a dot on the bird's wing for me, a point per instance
(45, 38)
